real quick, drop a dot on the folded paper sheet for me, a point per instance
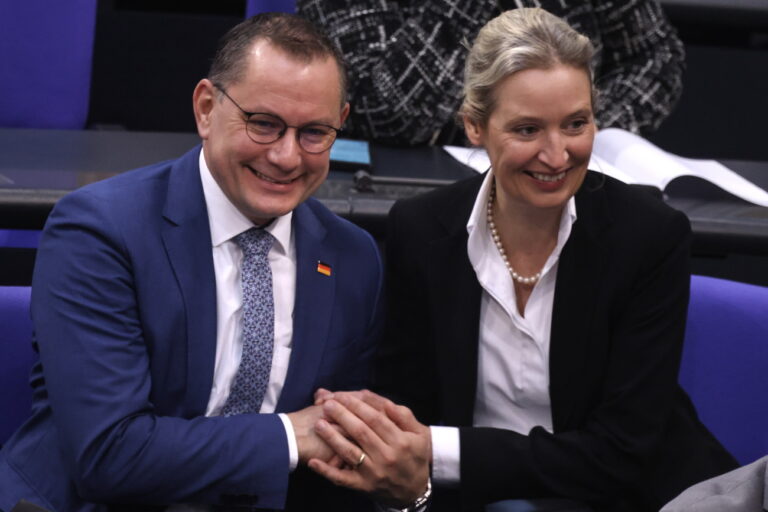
(632, 159)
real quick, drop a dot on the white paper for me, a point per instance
(476, 158)
(632, 159)
(650, 165)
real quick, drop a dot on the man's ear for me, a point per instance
(344, 114)
(203, 100)
(474, 131)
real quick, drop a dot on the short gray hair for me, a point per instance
(517, 40)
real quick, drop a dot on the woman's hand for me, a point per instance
(388, 451)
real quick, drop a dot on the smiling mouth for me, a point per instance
(271, 180)
(546, 177)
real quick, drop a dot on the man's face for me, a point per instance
(268, 180)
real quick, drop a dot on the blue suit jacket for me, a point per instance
(124, 308)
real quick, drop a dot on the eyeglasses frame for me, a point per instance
(280, 135)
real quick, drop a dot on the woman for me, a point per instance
(540, 308)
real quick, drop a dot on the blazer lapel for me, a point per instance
(456, 311)
(456, 320)
(187, 239)
(579, 279)
(312, 309)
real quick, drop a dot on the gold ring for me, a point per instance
(360, 460)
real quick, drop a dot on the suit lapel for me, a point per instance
(579, 279)
(187, 239)
(312, 310)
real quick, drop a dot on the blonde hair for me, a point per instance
(516, 40)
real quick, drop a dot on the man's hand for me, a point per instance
(397, 447)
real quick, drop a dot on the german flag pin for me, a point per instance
(324, 268)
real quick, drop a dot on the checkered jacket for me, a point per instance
(406, 60)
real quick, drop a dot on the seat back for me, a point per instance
(256, 6)
(45, 61)
(725, 363)
(16, 358)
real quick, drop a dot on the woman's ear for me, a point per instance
(474, 131)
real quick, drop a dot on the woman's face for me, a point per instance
(539, 136)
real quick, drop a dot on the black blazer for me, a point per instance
(626, 436)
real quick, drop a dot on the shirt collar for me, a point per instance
(477, 225)
(226, 221)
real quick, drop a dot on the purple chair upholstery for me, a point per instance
(16, 358)
(256, 6)
(725, 363)
(45, 61)
(19, 238)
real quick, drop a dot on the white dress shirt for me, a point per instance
(226, 222)
(513, 351)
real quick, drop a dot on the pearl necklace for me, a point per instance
(497, 240)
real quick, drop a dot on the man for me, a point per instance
(154, 364)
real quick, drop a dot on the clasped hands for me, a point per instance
(397, 448)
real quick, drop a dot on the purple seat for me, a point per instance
(725, 363)
(256, 6)
(19, 238)
(45, 62)
(16, 358)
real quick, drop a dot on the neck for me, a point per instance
(525, 227)
(529, 244)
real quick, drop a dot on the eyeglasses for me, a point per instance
(263, 128)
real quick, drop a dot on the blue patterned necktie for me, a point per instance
(258, 324)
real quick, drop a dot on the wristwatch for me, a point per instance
(421, 501)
